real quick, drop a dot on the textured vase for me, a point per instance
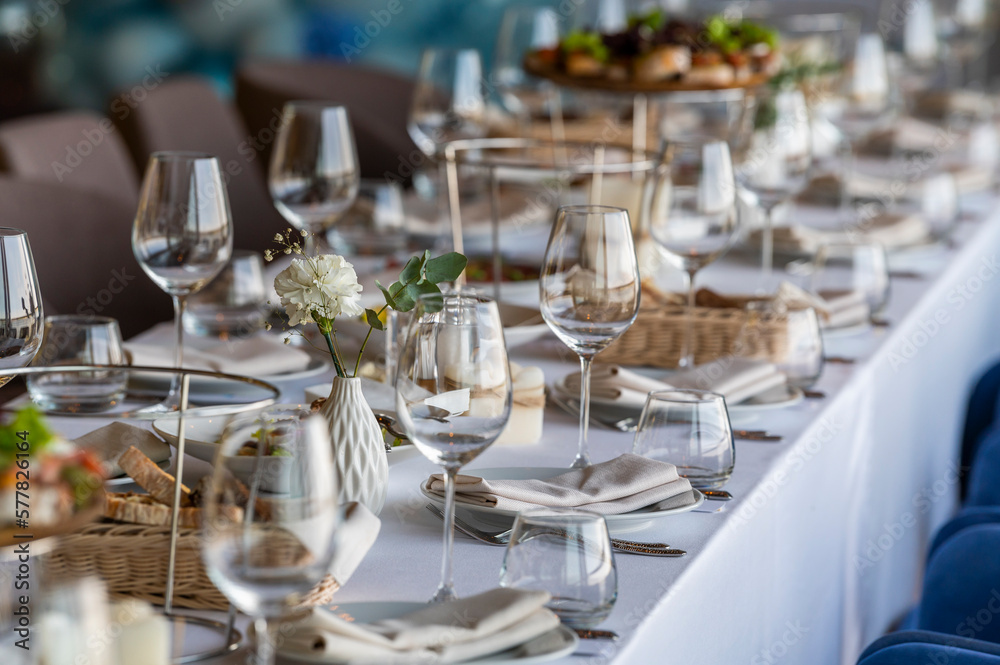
(358, 447)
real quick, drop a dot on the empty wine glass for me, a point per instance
(589, 289)
(861, 269)
(183, 234)
(449, 102)
(265, 550)
(21, 317)
(314, 174)
(788, 337)
(525, 29)
(374, 226)
(453, 391)
(689, 429)
(774, 155)
(695, 215)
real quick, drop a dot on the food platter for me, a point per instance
(604, 84)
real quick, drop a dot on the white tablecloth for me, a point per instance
(824, 544)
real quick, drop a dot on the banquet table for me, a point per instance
(823, 546)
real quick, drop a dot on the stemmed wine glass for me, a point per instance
(314, 174)
(773, 155)
(525, 29)
(183, 234)
(449, 101)
(21, 317)
(266, 549)
(453, 391)
(589, 289)
(697, 221)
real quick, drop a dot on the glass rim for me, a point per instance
(700, 396)
(467, 293)
(588, 209)
(181, 155)
(80, 319)
(556, 513)
(449, 50)
(12, 232)
(315, 104)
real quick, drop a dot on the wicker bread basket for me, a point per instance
(656, 337)
(132, 560)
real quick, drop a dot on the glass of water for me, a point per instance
(79, 340)
(689, 429)
(568, 554)
(232, 304)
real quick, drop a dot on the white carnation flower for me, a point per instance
(324, 284)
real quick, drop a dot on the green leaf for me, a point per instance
(371, 316)
(445, 268)
(405, 301)
(389, 300)
(411, 271)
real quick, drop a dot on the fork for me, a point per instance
(503, 537)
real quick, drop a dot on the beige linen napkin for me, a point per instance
(110, 441)
(621, 485)
(891, 229)
(449, 632)
(261, 355)
(834, 309)
(355, 536)
(736, 379)
(613, 383)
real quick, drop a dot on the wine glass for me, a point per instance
(449, 101)
(589, 289)
(774, 155)
(691, 430)
(695, 215)
(21, 317)
(314, 174)
(183, 234)
(525, 29)
(453, 391)
(263, 549)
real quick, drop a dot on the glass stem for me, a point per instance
(180, 303)
(582, 460)
(687, 347)
(767, 246)
(847, 170)
(446, 590)
(264, 636)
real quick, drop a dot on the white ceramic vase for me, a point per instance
(358, 447)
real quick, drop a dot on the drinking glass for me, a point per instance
(79, 340)
(568, 554)
(453, 391)
(374, 224)
(313, 175)
(397, 326)
(74, 625)
(939, 204)
(265, 550)
(773, 155)
(800, 358)
(21, 306)
(525, 29)
(232, 304)
(843, 269)
(183, 234)
(696, 219)
(449, 102)
(864, 93)
(689, 429)
(589, 289)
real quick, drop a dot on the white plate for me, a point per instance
(846, 331)
(204, 384)
(558, 642)
(624, 523)
(776, 398)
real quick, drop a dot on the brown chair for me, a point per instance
(377, 101)
(185, 113)
(81, 241)
(74, 148)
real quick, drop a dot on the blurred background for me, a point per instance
(78, 53)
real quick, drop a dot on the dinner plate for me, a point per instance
(558, 642)
(208, 385)
(623, 523)
(846, 331)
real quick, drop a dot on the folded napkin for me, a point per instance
(110, 441)
(736, 379)
(449, 632)
(355, 536)
(892, 230)
(835, 310)
(621, 485)
(261, 355)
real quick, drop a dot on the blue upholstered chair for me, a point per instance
(961, 594)
(967, 517)
(981, 413)
(983, 481)
(921, 647)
